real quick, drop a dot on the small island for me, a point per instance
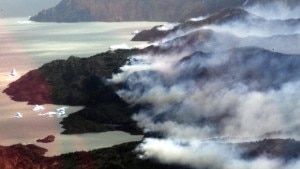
(47, 139)
(203, 96)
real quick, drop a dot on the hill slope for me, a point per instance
(130, 10)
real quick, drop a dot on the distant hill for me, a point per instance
(218, 18)
(195, 91)
(131, 10)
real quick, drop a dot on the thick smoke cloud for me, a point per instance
(233, 90)
(204, 88)
(206, 155)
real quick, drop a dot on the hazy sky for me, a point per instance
(10, 8)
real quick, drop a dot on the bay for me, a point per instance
(26, 45)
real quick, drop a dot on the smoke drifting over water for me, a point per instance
(204, 87)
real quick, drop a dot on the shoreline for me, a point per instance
(31, 126)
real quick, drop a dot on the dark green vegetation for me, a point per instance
(125, 156)
(80, 81)
(117, 157)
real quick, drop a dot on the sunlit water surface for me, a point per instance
(27, 45)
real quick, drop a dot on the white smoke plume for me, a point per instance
(206, 87)
(277, 9)
(207, 155)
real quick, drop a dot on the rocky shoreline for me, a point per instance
(126, 156)
(83, 81)
(120, 156)
(80, 81)
(104, 111)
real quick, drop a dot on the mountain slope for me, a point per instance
(130, 10)
(206, 93)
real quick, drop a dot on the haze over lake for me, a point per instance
(42, 42)
(27, 45)
(10, 8)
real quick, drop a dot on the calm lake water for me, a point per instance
(42, 42)
(27, 45)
